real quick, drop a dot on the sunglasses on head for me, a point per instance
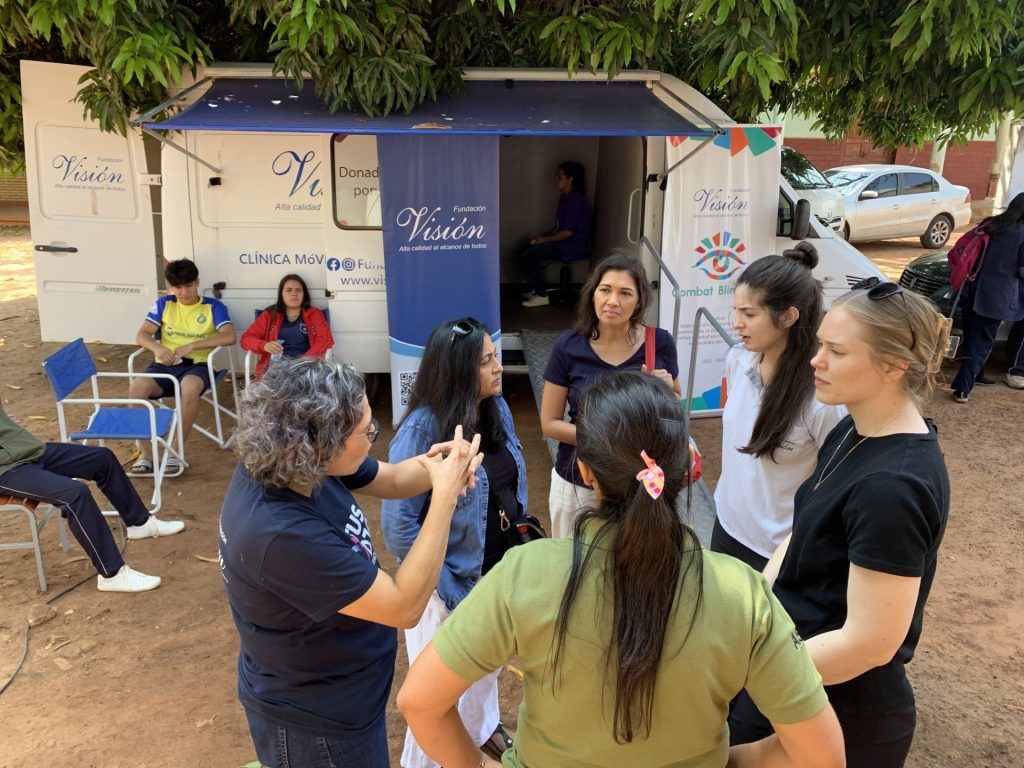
(879, 290)
(463, 327)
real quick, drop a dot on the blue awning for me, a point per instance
(569, 108)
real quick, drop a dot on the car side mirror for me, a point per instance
(868, 194)
(801, 220)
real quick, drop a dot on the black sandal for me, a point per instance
(496, 743)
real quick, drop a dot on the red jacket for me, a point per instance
(268, 323)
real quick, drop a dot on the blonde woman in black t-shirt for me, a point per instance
(857, 568)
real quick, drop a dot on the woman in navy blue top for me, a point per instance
(314, 612)
(609, 336)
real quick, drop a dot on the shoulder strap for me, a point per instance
(649, 344)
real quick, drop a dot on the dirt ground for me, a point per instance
(141, 681)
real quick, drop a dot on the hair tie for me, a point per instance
(652, 478)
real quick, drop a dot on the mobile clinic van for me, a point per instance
(252, 179)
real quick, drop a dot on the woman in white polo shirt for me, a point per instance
(772, 425)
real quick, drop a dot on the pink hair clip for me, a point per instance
(652, 478)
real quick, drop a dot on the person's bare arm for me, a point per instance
(399, 601)
(224, 337)
(427, 699)
(813, 743)
(554, 236)
(145, 338)
(410, 477)
(771, 570)
(879, 610)
(552, 414)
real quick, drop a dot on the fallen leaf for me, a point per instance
(38, 418)
(13, 386)
(62, 663)
(28, 346)
(515, 671)
(206, 559)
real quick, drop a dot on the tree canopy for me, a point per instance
(902, 73)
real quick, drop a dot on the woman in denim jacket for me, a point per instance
(459, 382)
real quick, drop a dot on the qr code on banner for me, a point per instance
(405, 382)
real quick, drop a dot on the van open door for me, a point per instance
(90, 212)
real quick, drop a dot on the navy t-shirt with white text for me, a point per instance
(290, 563)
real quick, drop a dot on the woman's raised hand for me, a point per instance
(456, 472)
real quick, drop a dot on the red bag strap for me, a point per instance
(649, 331)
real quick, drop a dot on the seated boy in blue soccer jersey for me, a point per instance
(190, 326)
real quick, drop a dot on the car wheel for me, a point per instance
(938, 232)
(846, 232)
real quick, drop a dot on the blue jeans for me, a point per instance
(280, 746)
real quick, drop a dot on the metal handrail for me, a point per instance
(701, 312)
(671, 278)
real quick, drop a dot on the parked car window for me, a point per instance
(884, 185)
(919, 183)
(800, 172)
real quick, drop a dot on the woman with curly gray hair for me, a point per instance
(314, 611)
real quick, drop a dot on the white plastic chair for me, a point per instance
(38, 513)
(218, 435)
(72, 366)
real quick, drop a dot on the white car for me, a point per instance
(900, 201)
(826, 201)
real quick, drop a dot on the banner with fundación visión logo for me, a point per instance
(439, 204)
(721, 207)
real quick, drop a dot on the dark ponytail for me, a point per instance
(652, 551)
(778, 283)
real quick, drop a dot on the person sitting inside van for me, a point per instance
(189, 326)
(291, 327)
(566, 241)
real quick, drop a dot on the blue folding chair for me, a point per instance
(71, 367)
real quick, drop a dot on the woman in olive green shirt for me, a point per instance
(634, 661)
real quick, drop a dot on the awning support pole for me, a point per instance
(184, 151)
(165, 104)
(671, 278)
(687, 156)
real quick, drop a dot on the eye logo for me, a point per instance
(720, 256)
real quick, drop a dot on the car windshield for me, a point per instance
(799, 171)
(845, 178)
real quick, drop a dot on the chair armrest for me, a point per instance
(119, 375)
(131, 359)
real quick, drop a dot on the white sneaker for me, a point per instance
(127, 580)
(537, 301)
(1017, 382)
(528, 295)
(155, 527)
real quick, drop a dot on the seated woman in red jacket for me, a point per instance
(290, 328)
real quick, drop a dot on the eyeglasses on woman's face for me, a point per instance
(372, 431)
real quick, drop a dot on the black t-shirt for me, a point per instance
(290, 563)
(502, 477)
(884, 508)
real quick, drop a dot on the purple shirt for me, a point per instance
(573, 364)
(573, 216)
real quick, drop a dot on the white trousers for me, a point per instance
(565, 502)
(478, 706)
